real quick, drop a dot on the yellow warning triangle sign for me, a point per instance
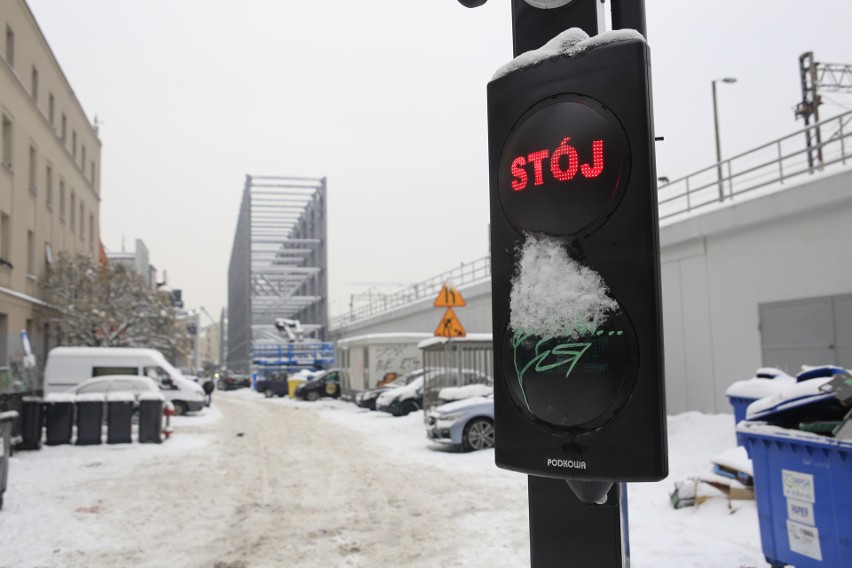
(450, 326)
(449, 297)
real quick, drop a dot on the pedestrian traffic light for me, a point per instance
(575, 263)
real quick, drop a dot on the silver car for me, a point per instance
(466, 424)
(135, 384)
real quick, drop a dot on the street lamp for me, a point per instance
(716, 124)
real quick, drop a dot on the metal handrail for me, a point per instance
(465, 274)
(770, 164)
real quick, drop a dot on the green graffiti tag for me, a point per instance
(571, 351)
(546, 358)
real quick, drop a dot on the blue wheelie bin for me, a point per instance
(802, 461)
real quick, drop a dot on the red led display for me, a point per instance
(566, 154)
(563, 166)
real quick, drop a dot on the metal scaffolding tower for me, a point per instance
(279, 264)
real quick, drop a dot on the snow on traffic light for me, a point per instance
(575, 261)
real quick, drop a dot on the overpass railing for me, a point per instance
(465, 274)
(807, 151)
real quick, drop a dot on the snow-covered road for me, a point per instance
(256, 482)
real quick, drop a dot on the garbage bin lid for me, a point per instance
(120, 397)
(759, 387)
(8, 415)
(59, 397)
(152, 396)
(794, 397)
(809, 373)
(91, 397)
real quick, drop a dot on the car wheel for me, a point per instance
(180, 407)
(478, 435)
(312, 396)
(268, 393)
(408, 407)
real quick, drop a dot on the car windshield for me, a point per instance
(398, 382)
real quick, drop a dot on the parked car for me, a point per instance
(450, 394)
(367, 398)
(183, 395)
(106, 384)
(324, 383)
(272, 385)
(402, 400)
(231, 381)
(466, 424)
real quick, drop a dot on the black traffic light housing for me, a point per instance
(571, 156)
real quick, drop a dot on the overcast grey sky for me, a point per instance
(385, 98)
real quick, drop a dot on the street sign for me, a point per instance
(450, 326)
(449, 297)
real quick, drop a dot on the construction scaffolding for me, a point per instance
(278, 267)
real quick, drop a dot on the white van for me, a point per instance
(69, 366)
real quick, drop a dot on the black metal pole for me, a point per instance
(568, 533)
(533, 27)
(629, 14)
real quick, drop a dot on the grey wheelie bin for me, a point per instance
(151, 417)
(59, 419)
(90, 418)
(32, 423)
(7, 419)
(119, 417)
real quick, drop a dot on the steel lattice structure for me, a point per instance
(278, 266)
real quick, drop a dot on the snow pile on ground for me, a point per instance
(219, 492)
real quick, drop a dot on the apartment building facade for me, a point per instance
(49, 180)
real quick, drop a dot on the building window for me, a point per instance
(7, 142)
(92, 231)
(51, 108)
(30, 253)
(10, 46)
(5, 230)
(82, 218)
(48, 187)
(83, 159)
(62, 200)
(64, 130)
(34, 84)
(32, 170)
(74, 144)
(73, 208)
(92, 173)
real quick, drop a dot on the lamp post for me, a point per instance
(716, 124)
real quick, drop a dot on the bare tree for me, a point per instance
(108, 306)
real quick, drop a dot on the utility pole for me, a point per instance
(832, 77)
